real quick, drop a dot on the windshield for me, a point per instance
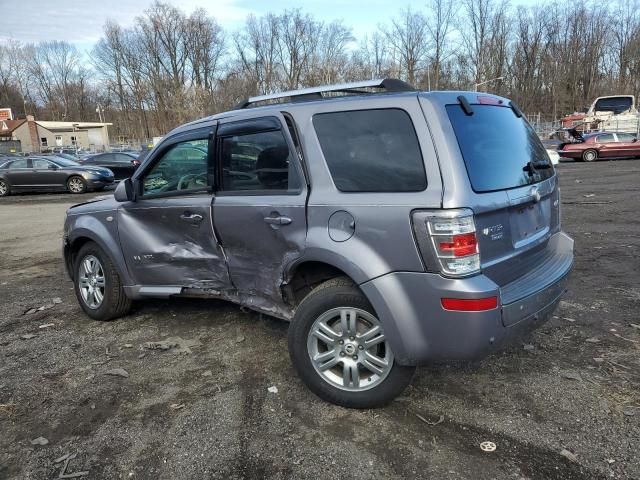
(500, 150)
(64, 162)
(616, 105)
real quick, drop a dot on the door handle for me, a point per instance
(193, 218)
(281, 220)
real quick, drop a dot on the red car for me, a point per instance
(593, 146)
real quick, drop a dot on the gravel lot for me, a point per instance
(574, 386)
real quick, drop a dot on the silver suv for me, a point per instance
(391, 227)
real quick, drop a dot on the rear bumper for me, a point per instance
(421, 331)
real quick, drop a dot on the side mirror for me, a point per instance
(124, 191)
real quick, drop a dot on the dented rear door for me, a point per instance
(259, 209)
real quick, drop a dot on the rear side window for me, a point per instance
(257, 162)
(371, 150)
(500, 150)
(18, 164)
(606, 138)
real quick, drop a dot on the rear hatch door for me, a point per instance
(515, 196)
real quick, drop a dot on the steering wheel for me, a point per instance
(183, 183)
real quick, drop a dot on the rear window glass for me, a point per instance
(616, 104)
(371, 150)
(500, 150)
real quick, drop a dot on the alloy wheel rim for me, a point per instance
(3, 188)
(75, 185)
(91, 282)
(349, 350)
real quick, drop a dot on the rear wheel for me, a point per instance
(590, 155)
(4, 188)
(98, 286)
(76, 184)
(340, 351)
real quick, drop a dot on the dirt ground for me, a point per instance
(574, 386)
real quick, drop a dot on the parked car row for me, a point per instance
(51, 173)
(69, 170)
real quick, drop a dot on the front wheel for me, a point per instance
(590, 155)
(97, 284)
(339, 349)
(76, 184)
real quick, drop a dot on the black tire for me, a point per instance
(335, 293)
(589, 155)
(115, 302)
(76, 180)
(5, 189)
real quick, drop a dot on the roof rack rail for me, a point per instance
(318, 93)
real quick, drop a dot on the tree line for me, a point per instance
(172, 66)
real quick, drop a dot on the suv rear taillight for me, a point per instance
(447, 241)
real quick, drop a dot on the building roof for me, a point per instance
(71, 125)
(8, 126)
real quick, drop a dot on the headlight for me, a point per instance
(89, 175)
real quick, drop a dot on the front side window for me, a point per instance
(182, 168)
(626, 137)
(257, 162)
(371, 150)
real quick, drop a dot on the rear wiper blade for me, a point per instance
(531, 167)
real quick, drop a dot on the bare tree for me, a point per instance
(408, 37)
(439, 26)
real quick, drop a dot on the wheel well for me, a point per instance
(71, 251)
(306, 277)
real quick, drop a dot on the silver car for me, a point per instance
(391, 227)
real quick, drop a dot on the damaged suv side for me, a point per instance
(391, 227)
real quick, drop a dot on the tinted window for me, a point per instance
(18, 164)
(500, 150)
(371, 150)
(257, 161)
(122, 158)
(606, 138)
(183, 167)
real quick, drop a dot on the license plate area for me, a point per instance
(529, 222)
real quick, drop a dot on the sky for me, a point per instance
(81, 22)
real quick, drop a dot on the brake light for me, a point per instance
(135, 163)
(460, 245)
(447, 241)
(469, 304)
(483, 100)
